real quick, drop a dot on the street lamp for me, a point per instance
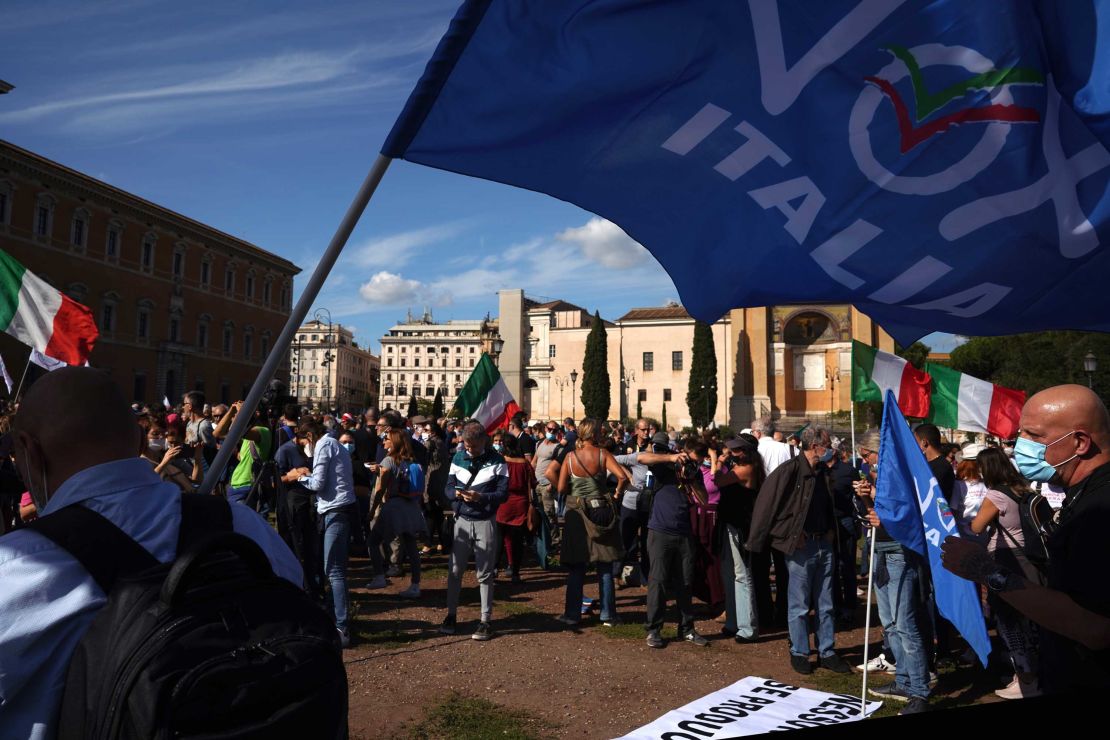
(573, 381)
(496, 347)
(1090, 365)
(327, 356)
(562, 382)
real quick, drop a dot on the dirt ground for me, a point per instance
(593, 682)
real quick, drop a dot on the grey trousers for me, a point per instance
(479, 538)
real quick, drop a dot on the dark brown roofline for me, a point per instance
(143, 204)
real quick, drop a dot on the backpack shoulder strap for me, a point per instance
(102, 548)
(202, 515)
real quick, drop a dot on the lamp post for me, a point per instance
(1090, 365)
(573, 381)
(562, 383)
(327, 356)
(496, 347)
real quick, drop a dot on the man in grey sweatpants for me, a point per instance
(476, 485)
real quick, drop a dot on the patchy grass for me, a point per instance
(434, 573)
(632, 631)
(468, 718)
(386, 635)
(516, 609)
(849, 685)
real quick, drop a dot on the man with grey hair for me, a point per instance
(477, 484)
(794, 514)
(773, 453)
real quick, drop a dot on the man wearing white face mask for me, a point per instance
(1064, 439)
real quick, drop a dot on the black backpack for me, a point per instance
(1037, 524)
(212, 644)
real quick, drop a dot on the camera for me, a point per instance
(687, 470)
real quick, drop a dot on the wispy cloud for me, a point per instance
(38, 14)
(605, 243)
(396, 250)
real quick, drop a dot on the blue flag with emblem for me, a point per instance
(913, 511)
(941, 164)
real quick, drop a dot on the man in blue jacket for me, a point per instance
(476, 485)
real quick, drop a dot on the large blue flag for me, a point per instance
(941, 164)
(913, 511)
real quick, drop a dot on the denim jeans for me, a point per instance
(337, 527)
(576, 578)
(899, 604)
(740, 613)
(238, 495)
(811, 575)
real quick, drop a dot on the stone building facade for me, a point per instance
(330, 370)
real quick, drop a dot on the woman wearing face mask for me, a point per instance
(401, 515)
(162, 448)
(440, 524)
(512, 516)
(362, 488)
(1000, 511)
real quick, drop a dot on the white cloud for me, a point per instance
(387, 288)
(604, 242)
(396, 250)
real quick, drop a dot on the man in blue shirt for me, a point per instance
(291, 459)
(49, 600)
(333, 483)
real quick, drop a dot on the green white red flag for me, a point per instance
(41, 316)
(960, 401)
(485, 397)
(875, 372)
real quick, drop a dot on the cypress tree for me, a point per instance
(595, 372)
(703, 372)
(437, 405)
(663, 421)
(639, 410)
(413, 408)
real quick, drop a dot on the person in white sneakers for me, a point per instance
(400, 515)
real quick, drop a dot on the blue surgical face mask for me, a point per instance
(498, 447)
(827, 456)
(550, 436)
(350, 447)
(1029, 456)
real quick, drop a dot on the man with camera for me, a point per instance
(794, 514)
(670, 541)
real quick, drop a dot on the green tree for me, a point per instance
(424, 407)
(701, 395)
(414, 408)
(664, 420)
(639, 409)
(595, 372)
(915, 354)
(437, 405)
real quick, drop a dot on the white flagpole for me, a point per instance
(852, 406)
(15, 398)
(296, 317)
(867, 624)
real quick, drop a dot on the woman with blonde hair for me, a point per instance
(591, 533)
(401, 514)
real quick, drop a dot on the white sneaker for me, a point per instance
(412, 592)
(1018, 689)
(878, 664)
(378, 582)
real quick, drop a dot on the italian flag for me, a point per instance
(485, 398)
(875, 372)
(40, 316)
(962, 402)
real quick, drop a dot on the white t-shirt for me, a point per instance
(773, 453)
(967, 498)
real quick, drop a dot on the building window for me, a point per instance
(676, 360)
(108, 317)
(458, 350)
(266, 293)
(431, 350)
(649, 361)
(472, 362)
(444, 350)
(44, 215)
(666, 395)
(389, 349)
(250, 287)
(140, 387)
(551, 350)
(142, 323)
(429, 391)
(404, 349)
(228, 337)
(264, 346)
(80, 228)
(458, 362)
(389, 362)
(5, 202)
(402, 362)
(388, 390)
(402, 390)
(178, 262)
(77, 291)
(175, 329)
(248, 341)
(416, 350)
(205, 272)
(416, 362)
(284, 297)
(147, 259)
(229, 281)
(202, 335)
(641, 395)
(471, 350)
(111, 242)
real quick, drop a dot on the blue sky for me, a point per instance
(262, 118)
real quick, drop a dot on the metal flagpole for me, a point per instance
(296, 317)
(15, 398)
(867, 625)
(852, 406)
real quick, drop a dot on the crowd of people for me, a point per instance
(764, 527)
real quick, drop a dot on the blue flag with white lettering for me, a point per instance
(941, 164)
(913, 511)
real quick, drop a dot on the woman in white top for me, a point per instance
(969, 492)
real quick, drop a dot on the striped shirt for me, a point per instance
(491, 480)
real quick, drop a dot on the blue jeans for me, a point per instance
(337, 527)
(899, 602)
(740, 614)
(237, 495)
(811, 575)
(576, 578)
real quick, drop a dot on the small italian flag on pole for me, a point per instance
(40, 316)
(962, 402)
(875, 372)
(485, 398)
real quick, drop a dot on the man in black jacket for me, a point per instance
(794, 514)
